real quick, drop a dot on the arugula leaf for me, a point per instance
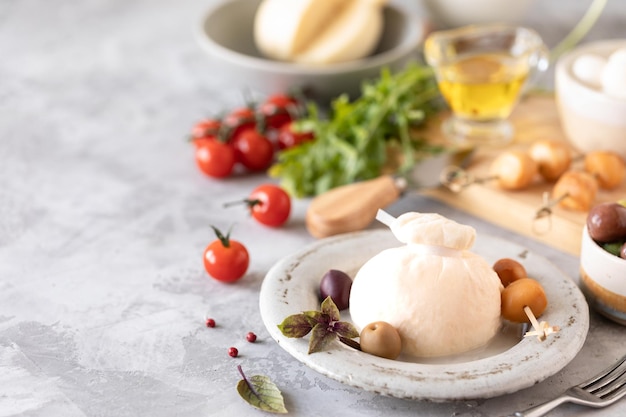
(351, 144)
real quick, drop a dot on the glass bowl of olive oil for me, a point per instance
(482, 71)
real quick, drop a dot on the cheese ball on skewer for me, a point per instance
(553, 158)
(513, 170)
(607, 167)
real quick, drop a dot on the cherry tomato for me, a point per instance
(289, 138)
(278, 110)
(254, 150)
(270, 205)
(205, 128)
(225, 259)
(214, 158)
(202, 141)
(238, 120)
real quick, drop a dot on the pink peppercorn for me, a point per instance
(233, 352)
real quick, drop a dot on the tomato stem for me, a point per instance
(247, 201)
(225, 239)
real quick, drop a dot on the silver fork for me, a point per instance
(600, 391)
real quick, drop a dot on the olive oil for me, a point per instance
(483, 87)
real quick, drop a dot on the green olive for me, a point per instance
(381, 339)
(519, 294)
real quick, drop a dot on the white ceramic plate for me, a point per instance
(292, 286)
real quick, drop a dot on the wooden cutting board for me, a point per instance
(535, 118)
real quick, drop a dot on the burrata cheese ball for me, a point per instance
(442, 298)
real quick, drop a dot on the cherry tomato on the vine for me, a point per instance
(270, 205)
(214, 158)
(226, 259)
(277, 110)
(289, 138)
(253, 149)
(239, 120)
(205, 128)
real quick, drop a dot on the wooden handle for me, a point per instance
(350, 207)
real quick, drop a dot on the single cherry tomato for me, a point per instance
(214, 158)
(225, 259)
(270, 205)
(198, 142)
(278, 109)
(254, 150)
(205, 128)
(239, 120)
(289, 138)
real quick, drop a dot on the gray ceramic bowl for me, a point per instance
(226, 33)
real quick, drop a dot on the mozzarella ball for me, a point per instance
(588, 68)
(614, 75)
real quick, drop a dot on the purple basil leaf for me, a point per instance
(321, 337)
(316, 317)
(345, 329)
(296, 325)
(329, 307)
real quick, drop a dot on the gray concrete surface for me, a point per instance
(104, 217)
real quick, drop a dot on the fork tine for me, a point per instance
(602, 390)
(615, 388)
(607, 380)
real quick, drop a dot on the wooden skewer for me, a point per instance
(541, 330)
(456, 179)
(546, 208)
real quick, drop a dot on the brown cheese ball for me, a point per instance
(553, 158)
(509, 270)
(607, 167)
(521, 293)
(575, 190)
(513, 170)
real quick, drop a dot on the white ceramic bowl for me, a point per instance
(454, 13)
(591, 119)
(226, 33)
(603, 279)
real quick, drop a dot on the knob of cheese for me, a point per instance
(318, 31)
(614, 75)
(442, 298)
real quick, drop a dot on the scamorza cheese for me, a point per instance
(318, 31)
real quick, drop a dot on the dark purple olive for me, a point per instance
(622, 251)
(606, 222)
(337, 284)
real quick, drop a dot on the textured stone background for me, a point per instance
(104, 217)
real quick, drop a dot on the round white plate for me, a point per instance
(292, 286)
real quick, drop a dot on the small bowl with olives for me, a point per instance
(603, 260)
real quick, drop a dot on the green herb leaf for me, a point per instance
(350, 145)
(296, 325)
(260, 392)
(613, 248)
